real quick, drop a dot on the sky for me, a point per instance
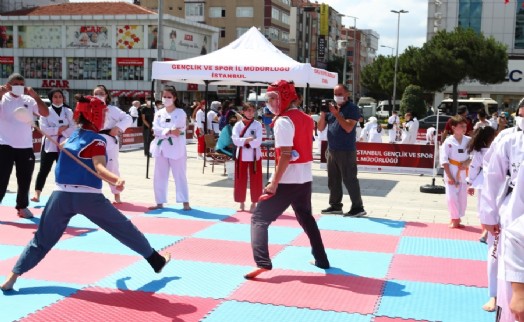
(377, 15)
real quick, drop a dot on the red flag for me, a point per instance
(506, 1)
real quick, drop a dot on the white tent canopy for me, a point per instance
(249, 60)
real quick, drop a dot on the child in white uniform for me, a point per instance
(169, 150)
(478, 146)
(454, 158)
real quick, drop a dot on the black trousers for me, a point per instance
(46, 163)
(148, 137)
(298, 196)
(24, 161)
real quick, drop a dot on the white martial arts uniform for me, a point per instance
(50, 125)
(430, 135)
(392, 133)
(114, 117)
(170, 153)
(200, 119)
(212, 122)
(409, 133)
(370, 133)
(451, 152)
(501, 205)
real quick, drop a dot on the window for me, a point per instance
(285, 18)
(519, 26)
(217, 12)
(241, 31)
(273, 33)
(6, 67)
(194, 9)
(286, 2)
(244, 12)
(222, 32)
(470, 14)
(41, 67)
(285, 36)
(89, 68)
(275, 13)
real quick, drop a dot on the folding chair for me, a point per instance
(216, 157)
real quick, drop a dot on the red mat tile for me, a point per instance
(99, 304)
(132, 208)
(353, 241)
(416, 229)
(73, 266)
(19, 234)
(170, 226)
(315, 291)
(286, 219)
(443, 270)
(217, 251)
(388, 319)
(8, 213)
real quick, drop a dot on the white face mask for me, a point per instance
(519, 121)
(17, 90)
(167, 101)
(339, 99)
(274, 109)
(58, 106)
(101, 97)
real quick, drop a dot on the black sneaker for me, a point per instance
(332, 210)
(356, 213)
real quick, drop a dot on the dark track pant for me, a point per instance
(267, 211)
(46, 163)
(342, 168)
(24, 162)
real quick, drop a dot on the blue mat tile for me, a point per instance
(343, 262)
(102, 242)
(8, 251)
(255, 312)
(32, 295)
(179, 277)
(362, 225)
(447, 248)
(242, 232)
(198, 213)
(435, 302)
(10, 200)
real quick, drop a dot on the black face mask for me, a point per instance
(232, 123)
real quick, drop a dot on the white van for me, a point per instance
(384, 109)
(366, 101)
(473, 104)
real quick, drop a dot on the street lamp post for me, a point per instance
(396, 58)
(389, 48)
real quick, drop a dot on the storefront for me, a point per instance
(76, 53)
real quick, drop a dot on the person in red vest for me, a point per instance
(291, 182)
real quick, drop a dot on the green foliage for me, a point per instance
(336, 65)
(413, 100)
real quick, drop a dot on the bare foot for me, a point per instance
(117, 199)
(242, 206)
(455, 223)
(167, 257)
(253, 207)
(255, 273)
(35, 199)
(490, 305)
(186, 206)
(158, 206)
(9, 282)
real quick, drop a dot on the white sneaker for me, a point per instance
(25, 213)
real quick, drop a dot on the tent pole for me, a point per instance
(151, 104)
(307, 99)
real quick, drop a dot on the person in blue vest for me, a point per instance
(79, 191)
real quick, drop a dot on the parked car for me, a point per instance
(431, 120)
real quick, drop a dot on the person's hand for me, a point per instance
(333, 109)
(516, 305)
(175, 132)
(471, 191)
(451, 181)
(271, 188)
(62, 129)
(249, 139)
(119, 184)
(4, 89)
(493, 229)
(114, 131)
(31, 92)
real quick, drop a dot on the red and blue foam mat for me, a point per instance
(381, 271)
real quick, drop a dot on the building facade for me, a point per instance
(504, 22)
(76, 46)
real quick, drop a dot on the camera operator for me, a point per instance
(341, 155)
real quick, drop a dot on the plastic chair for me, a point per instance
(216, 157)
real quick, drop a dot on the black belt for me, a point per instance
(510, 190)
(107, 132)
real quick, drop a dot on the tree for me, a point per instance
(336, 65)
(413, 100)
(374, 77)
(451, 58)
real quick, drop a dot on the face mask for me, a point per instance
(273, 108)
(339, 99)
(58, 106)
(101, 97)
(17, 90)
(167, 101)
(519, 121)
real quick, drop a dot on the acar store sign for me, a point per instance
(58, 83)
